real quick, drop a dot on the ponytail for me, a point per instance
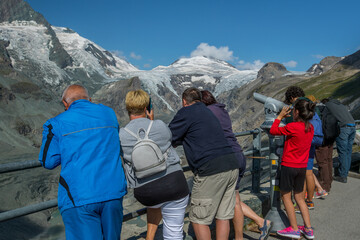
(306, 111)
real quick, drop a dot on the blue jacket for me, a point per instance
(318, 135)
(85, 141)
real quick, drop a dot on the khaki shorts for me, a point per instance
(213, 197)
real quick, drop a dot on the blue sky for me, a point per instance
(245, 33)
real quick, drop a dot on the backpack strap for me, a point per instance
(131, 133)
(148, 130)
(140, 130)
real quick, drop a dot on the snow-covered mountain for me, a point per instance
(91, 64)
(168, 82)
(91, 57)
(29, 51)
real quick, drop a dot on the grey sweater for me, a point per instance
(340, 112)
(161, 135)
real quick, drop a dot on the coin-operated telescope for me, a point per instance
(272, 108)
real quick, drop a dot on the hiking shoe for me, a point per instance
(340, 179)
(308, 232)
(265, 230)
(310, 204)
(289, 232)
(321, 194)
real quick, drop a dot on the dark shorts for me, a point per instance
(242, 161)
(292, 179)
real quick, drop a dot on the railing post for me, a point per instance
(256, 174)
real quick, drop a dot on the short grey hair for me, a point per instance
(81, 93)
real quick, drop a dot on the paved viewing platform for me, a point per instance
(337, 216)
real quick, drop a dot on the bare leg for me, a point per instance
(248, 212)
(317, 184)
(153, 217)
(238, 219)
(202, 232)
(310, 184)
(222, 229)
(299, 197)
(289, 207)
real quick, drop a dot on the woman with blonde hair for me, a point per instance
(166, 190)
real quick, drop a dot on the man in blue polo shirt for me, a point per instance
(212, 161)
(84, 140)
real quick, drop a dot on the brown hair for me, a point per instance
(191, 95)
(207, 98)
(306, 111)
(293, 92)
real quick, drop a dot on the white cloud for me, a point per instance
(222, 53)
(118, 53)
(134, 56)
(318, 56)
(290, 64)
(255, 65)
(147, 65)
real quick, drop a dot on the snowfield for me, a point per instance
(30, 44)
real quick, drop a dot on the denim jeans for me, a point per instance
(344, 147)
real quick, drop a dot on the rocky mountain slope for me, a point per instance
(340, 78)
(165, 84)
(38, 60)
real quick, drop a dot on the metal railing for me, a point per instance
(256, 152)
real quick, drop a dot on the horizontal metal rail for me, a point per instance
(17, 166)
(19, 212)
(27, 210)
(245, 133)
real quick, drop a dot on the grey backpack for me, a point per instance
(147, 158)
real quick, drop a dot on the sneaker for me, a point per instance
(289, 232)
(265, 230)
(321, 194)
(310, 205)
(308, 232)
(297, 209)
(340, 179)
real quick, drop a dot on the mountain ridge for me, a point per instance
(31, 79)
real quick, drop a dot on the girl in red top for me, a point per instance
(299, 135)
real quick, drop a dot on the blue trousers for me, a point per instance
(94, 221)
(344, 144)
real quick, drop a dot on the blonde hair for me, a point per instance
(311, 98)
(136, 102)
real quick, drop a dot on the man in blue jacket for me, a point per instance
(85, 141)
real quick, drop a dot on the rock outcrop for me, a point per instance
(271, 71)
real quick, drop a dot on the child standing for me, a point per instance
(299, 135)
